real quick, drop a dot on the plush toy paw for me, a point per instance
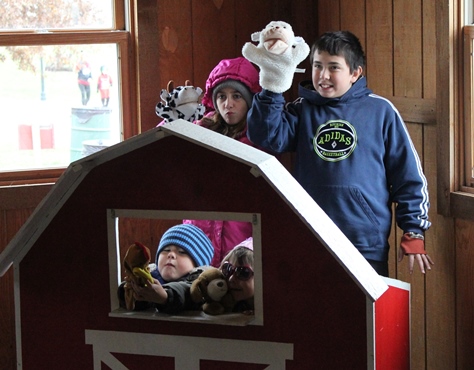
(181, 102)
(277, 54)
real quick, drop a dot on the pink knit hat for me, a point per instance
(237, 69)
(247, 243)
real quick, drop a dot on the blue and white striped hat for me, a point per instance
(192, 239)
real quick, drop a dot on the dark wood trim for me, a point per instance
(416, 110)
(22, 197)
(446, 92)
(462, 205)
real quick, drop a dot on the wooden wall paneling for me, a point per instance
(175, 41)
(304, 21)
(304, 26)
(21, 197)
(3, 224)
(353, 18)
(465, 293)
(16, 205)
(12, 221)
(416, 110)
(258, 14)
(408, 73)
(214, 37)
(250, 18)
(379, 49)
(379, 73)
(329, 14)
(429, 49)
(7, 322)
(440, 282)
(149, 81)
(408, 66)
(7, 318)
(165, 51)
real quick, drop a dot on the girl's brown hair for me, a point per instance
(216, 123)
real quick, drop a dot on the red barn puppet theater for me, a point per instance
(319, 304)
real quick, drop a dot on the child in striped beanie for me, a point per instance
(181, 248)
(183, 253)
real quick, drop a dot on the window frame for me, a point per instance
(453, 198)
(116, 266)
(468, 95)
(123, 36)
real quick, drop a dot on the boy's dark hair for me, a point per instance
(342, 43)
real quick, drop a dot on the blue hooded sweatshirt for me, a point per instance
(354, 156)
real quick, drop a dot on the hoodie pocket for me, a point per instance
(348, 209)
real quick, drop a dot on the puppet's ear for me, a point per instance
(255, 36)
(298, 40)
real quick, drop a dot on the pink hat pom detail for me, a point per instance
(247, 243)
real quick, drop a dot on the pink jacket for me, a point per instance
(224, 235)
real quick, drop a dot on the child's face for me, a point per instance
(332, 77)
(231, 105)
(239, 288)
(174, 263)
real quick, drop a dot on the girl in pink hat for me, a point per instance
(228, 97)
(229, 92)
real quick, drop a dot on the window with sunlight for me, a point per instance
(62, 69)
(468, 133)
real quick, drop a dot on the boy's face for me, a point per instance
(174, 263)
(331, 74)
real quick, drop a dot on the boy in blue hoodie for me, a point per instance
(354, 155)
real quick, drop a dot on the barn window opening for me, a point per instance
(126, 227)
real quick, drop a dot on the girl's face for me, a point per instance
(231, 105)
(174, 263)
(240, 289)
(331, 75)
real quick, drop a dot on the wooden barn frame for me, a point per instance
(319, 303)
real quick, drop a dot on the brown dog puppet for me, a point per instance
(135, 263)
(211, 288)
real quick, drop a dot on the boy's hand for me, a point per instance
(413, 245)
(152, 292)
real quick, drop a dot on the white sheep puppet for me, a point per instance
(277, 54)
